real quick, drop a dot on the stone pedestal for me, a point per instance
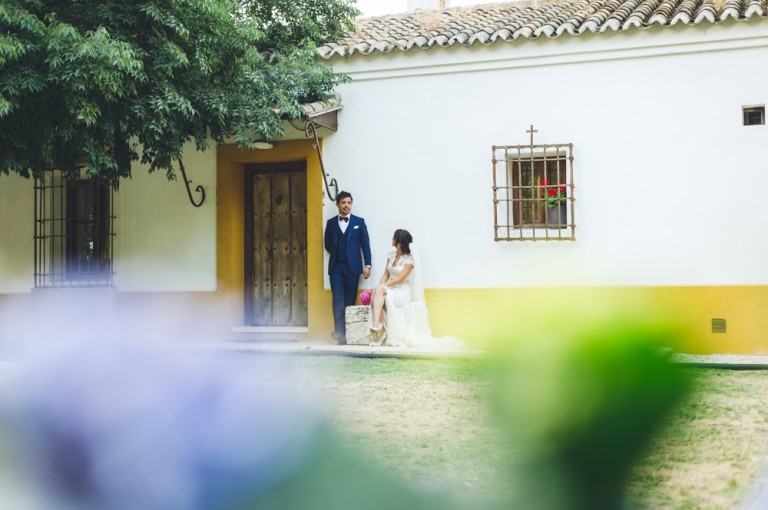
(358, 320)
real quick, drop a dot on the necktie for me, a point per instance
(344, 218)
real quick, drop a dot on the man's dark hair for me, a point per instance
(343, 194)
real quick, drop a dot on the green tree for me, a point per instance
(106, 83)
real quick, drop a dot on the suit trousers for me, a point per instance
(344, 290)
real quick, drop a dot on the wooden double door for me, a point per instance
(276, 244)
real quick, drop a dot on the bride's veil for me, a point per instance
(418, 316)
(417, 280)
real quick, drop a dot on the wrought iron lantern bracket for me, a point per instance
(187, 183)
(310, 130)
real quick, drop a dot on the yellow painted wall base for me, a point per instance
(475, 315)
(483, 315)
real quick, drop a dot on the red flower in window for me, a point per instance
(554, 195)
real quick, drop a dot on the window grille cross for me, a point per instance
(532, 131)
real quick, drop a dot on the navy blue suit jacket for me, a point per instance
(357, 242)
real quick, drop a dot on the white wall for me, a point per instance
(16, 234)
(669, 184)
(163, 242)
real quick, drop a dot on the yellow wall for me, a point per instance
(495, 315)
(166, 256)
(16, 233)
(498, 314)
(230, 228)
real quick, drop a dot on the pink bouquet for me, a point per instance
(365, 297)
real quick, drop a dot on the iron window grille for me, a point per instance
(533, 192)
(74, 233)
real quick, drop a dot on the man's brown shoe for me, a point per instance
(339, 337)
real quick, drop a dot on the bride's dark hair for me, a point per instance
(405, 238)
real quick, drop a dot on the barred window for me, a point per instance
(73, 232)
(533, 192)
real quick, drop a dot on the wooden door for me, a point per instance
(276, 244)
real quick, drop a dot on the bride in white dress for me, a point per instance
(400, 316)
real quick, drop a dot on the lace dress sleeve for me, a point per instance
(407, 258)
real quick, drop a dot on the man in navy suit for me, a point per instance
(346, 236)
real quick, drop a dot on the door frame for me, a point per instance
(250, 170)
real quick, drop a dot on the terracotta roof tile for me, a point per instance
(330, 104)
(510, 21)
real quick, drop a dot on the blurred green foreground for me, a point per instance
(112, 423)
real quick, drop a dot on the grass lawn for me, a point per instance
(429, 423)
(714, 446)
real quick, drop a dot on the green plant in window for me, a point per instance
(553, 194)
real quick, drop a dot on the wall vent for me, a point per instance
(718, 325)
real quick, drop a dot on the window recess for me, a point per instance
(73, 231)
(533, 192)
(753, 115)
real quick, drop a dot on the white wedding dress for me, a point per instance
(406, 318)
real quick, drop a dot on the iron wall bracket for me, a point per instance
(187, 183)
(311, 132)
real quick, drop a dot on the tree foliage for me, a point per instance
(102, 84)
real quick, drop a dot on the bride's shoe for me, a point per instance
(381, 335)
(377, 334)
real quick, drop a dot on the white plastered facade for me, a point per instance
(668, 181)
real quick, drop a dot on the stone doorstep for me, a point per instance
(358, 322)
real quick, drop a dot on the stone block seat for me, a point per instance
(358, 322)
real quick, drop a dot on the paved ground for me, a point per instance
(735, 361)
(319, 347)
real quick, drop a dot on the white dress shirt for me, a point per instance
(343, 224)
